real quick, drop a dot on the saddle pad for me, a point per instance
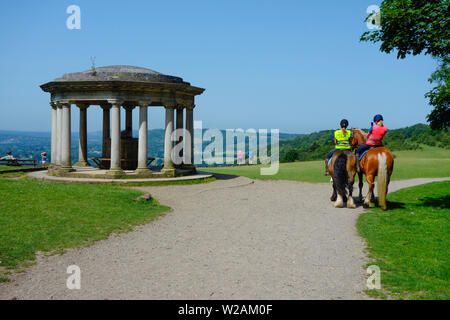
(362, 155)
(329, 161)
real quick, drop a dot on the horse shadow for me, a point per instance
(436, 202)
(389, 204)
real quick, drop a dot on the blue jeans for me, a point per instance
(330, 154)
(365, 147)
(362, 148)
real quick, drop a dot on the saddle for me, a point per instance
(364, 153)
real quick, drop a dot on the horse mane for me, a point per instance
(364, 134)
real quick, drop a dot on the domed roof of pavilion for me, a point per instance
(129, 84)
(120, 73)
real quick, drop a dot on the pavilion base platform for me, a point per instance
(82, 164)
(60, 171)
(95, 175)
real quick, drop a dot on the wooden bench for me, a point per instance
(18, 162)
(100, 162)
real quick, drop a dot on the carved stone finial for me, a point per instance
(93, 71)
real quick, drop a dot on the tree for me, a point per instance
(290, 156)
(415, 27)
(439, 96)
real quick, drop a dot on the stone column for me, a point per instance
(169, 168)
(179, 127)
(143, 141)
(66, 162)
(189, 138)
(59, 130)
(82, 145)
(54, 133)
(115, 169)
(106, 129)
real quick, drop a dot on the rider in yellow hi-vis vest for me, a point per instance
(341, 140)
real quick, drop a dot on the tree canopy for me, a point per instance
(412, 27)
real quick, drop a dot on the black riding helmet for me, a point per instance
(344, 123)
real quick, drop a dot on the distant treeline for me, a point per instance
(314, 146)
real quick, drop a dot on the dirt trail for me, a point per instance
(234, 238)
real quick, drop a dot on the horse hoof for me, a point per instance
(332, 199)
(339, 204)
(351, 204)
(365, 205)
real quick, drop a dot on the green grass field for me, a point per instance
(411, 242)
(427, 163)
(3, 168)
(49, 217)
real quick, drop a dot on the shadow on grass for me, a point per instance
(395, 205)
(390, 204)
(438, 202)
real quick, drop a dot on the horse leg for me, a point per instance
(387, 185)
(337, 197)
(334, 194)
(339, 202)
(361, 184)
(369, 179)
(350, 202)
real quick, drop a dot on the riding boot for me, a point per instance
(326, 168)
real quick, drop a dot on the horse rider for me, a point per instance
(374, 139)
(341, 140)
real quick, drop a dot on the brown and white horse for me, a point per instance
(376, 162)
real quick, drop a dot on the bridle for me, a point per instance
(358, 137)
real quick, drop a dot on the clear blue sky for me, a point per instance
(293, 65)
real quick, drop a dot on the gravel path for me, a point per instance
(233, 238)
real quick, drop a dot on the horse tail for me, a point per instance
(340, 174)
(382, 180)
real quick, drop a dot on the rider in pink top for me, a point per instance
(376, 136)
(374, 139)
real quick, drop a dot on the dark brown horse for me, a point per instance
(343, 170)
(376, 162)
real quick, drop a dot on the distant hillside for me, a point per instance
(314, 146)
(29, 145)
